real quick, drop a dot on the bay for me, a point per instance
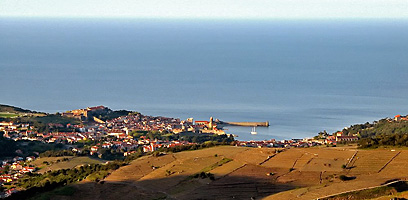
(302, 76)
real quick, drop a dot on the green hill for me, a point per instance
(385, 132)
(13, 109)
(7, 112)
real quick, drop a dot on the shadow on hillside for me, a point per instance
(181, 187)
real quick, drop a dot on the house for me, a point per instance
(94, 149)
(30, 158)
(27, 170)
(346, 138)
(177, 130)
(399, 118)
(202, 123)
(11, 191)
(16, 166)
(107, 145)
(18, 158)
(129, 153)
(6, 178)
(6, 123)
(151, 147)
(339, 134)
(116, 133)
(331, 140)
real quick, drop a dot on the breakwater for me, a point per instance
(266, 124)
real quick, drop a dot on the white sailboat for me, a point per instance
(253, 132)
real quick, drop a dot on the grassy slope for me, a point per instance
(12, 109)
(54, 119)
(7, 111)
(8, 115)
(25, 115)
(55, 164)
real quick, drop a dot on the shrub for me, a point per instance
(204, 175)
(156, 154)
(168, 172)
(346, 178)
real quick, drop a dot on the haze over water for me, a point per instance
(301, 76)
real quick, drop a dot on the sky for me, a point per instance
(246, 9)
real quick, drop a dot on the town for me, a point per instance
(125, 135)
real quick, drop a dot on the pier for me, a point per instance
(265, 124)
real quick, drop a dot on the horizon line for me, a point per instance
(201, 18)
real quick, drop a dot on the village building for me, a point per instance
(346, 138)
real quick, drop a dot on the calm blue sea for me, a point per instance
(302, 76)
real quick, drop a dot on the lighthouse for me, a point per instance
(210, 124)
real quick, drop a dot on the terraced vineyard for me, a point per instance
(368, 161)
(244, 173)
(397, 166)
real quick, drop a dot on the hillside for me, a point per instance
(11, 113)
(40, 119)
(65, 162)
(235, 172)
(381, 127)
(12, 109)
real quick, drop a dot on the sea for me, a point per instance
(303, 76)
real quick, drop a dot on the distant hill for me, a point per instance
(13, 109)
(12, 113)
(40, 120)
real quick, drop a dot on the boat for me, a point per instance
(253, 132)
